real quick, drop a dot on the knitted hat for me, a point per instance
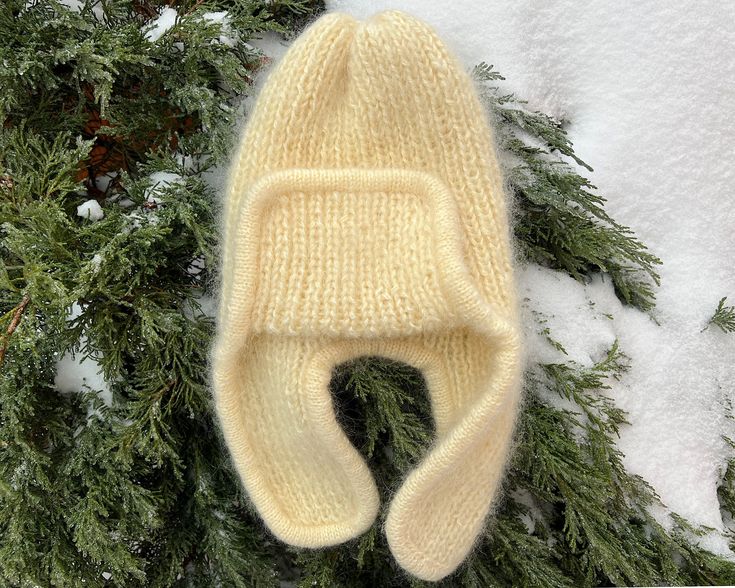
(365, 216)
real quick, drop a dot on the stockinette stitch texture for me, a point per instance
(365, 216)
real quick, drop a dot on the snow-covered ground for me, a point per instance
(648, 89)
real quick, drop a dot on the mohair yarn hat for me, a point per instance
(365, 216)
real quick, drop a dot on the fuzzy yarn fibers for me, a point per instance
(365, 215)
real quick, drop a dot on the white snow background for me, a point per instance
(648, 89)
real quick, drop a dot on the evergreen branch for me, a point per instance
(560, 221)
(196, 5)
(132, 485)
(726, 489)
(723, 317)
(588, 514)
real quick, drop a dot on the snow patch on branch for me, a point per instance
(228, 37)
(91, 210)
(159, 182)
(165, 21)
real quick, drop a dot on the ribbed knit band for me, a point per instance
(349, 289)
(365, 215)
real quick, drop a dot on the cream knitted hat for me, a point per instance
(365, 215)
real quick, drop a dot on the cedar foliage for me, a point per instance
(131, 485)
(723, 317)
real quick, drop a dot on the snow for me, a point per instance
(159, 182)
(222, 18)
(647, 91)
(227, 40)
(163, 23)
(76, 5)
(271, 44)
(76, 373)
(103, 181)
(96, 261)
(188, 162)
(196, 266)
(219, 17)
(91, 210)
(207, 306)
(575, 315)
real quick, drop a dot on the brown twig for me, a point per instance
(193, 8)
(15, 321)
